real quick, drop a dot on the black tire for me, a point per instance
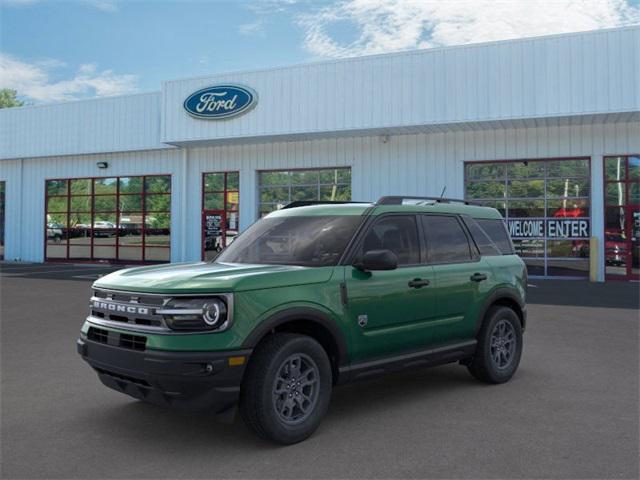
(497, 363)
(264, 410)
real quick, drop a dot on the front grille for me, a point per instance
(133, 342)
(128, 308)
(98, 335)
(122, 340)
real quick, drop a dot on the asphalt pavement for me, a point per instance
(571, 411)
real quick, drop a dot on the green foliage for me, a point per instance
(8, 98)
(280, 188)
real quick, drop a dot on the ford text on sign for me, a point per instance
(553, 228)
(220, 101)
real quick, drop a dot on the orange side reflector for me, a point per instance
(236, 361)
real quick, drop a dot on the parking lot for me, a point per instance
(571, 411)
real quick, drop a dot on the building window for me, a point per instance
(622, 216)
(280, 187)
(546, 204)
(124, 219)
(2, 189)
(220, 211)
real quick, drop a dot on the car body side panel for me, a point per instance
(458, 298)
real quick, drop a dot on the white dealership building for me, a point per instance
(546, 129)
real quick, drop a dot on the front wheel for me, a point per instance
(499, 346)
(286, 389)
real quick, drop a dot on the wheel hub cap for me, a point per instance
(296, 389)
(503, 344)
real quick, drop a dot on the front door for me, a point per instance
(389, 311)
(634, 244)
(220, 212)
(622, 217)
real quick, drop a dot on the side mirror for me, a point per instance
(377, 260)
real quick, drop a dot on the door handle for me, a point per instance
(418, 282)
(478, 277)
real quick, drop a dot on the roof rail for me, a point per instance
(306, 203)
(397, 200)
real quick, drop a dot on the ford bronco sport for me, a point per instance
(309, 297)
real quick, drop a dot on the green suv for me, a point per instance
(309, 297)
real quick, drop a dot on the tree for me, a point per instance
(8, 98)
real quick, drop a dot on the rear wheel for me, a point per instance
(286, 389)
(499, 346)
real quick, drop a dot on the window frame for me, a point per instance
(225, 210)
(627, 207)
(545, 259)
(260, 187)
(92, 195)
(3, 215)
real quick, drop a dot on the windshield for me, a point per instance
(316, 241)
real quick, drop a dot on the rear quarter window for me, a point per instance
(497, 232)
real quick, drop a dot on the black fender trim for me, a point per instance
(499, 294)
(300, 313)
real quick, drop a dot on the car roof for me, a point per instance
(364, 208)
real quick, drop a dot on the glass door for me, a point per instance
(622, 217)
(220, 211)
(2, 187)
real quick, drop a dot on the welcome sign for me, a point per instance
(550, 228)
(220, 102)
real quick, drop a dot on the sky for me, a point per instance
(56, 50)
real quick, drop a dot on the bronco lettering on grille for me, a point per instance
(118, 307)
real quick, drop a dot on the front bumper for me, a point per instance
(189, 380)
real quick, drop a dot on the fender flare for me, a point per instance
(498, 294)
(300, 313)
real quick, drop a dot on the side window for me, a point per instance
(398, 234)
(480, 237)
(446, 240)
(497, 232)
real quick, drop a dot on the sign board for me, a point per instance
(550, 228)
(232, 197)
(220, 102)
(213, 225)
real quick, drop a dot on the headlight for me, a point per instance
(197, 314)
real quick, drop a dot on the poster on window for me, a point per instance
(213, 223)
(550, 228)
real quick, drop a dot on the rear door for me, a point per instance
(461, 276)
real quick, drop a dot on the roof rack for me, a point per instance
(306, 203)
(397, 200)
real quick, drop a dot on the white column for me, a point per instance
(248, 197)
(185, 194)
(597, 210)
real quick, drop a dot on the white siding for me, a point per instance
(115, 124)
(26, 192)
(561, 76)
(418, 164)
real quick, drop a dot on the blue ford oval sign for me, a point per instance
(220, 101)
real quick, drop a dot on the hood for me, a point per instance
(204, 277)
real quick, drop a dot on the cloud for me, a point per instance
(253, 28)
(379, 26)
(34, 80)
(104, 5)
